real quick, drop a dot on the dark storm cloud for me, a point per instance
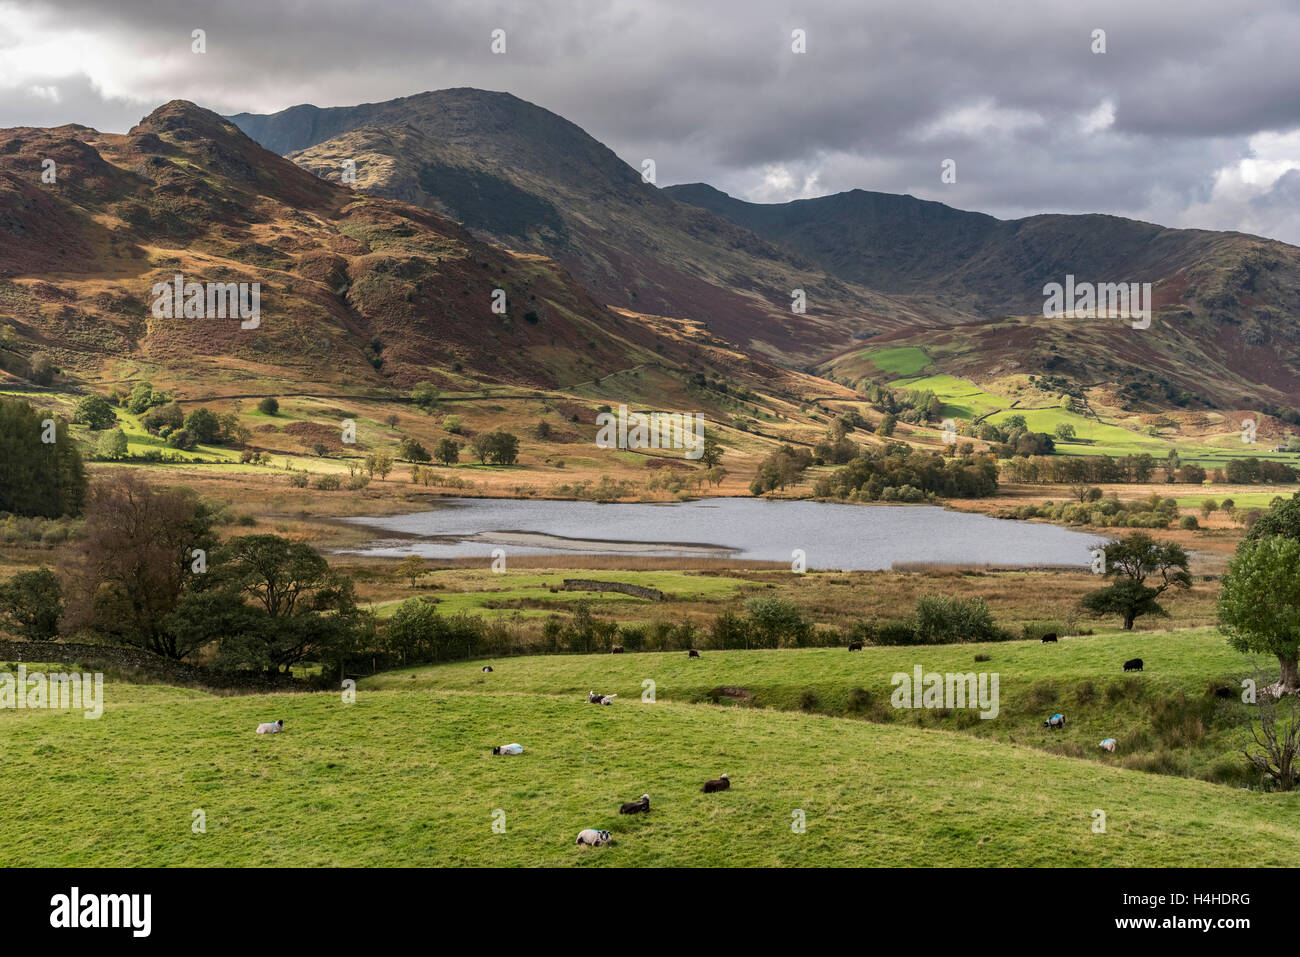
(1157, 127)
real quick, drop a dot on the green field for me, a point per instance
(405, 775)
(482, 592)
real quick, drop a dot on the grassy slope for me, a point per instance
(1163, 719)
(406, 777)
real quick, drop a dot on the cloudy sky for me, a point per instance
(1191, 116)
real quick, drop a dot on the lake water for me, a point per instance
(831, 535)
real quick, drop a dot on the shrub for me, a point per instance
(939, 620)
(298, 479)
(269, 406)
(327, 483)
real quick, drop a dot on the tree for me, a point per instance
(1129, 563)
(412, 567)
(886, 425)
(412, 451)
(32, 602)
(1282, 519)
(1259, 603)
(112, 445)
(1276, 742)
(95, 413)
(40, 369)
(711, 454)
(379, 462)
(1065, 431)
(38, 477)
(203, 425)
(451, 423)
(777, 623)
(447, 452)
(301, 608)
(139, 555)
(425, 396)
(168, 415)
(414, 630)
(269, 406)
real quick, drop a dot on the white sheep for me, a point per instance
(592, 838)
(275, 727)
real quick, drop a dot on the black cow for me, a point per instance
(1133, 664)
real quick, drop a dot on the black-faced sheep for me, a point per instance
(509, 749)
(1133, 664)
(717, 784)
(487, 668)
(855, 646)
(616, 650)
(1050, 636)
(593, 698)
(692, 653)
(1108, 745)
(636, 807)
(274, 727)
(592, 838)
(1055, 721)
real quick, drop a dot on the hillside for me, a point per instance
(358, 293)
(1224, 302)
(528, 179)
(407, 777)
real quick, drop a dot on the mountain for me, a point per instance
(1225, 302)
(356, 290)
(523, 177)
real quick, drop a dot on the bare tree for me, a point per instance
(1276, 738)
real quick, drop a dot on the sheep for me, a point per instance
(1055, 721)
(616, 650)
(592, 838)
(1108, 745)
(509, 749)
(1223, 692)
(855, 646)
(487, 668)
(636, 807)
(717, 784)
(1050, 636)
(274, 727)
(593, 698)
(692, 653)
(1133, 664)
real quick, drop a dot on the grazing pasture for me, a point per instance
(406, 775)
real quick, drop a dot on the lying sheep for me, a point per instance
(1050, 636)
(717, 784)
(1055, 721)
(1133, 664)
(692, 653)
(855, 646)
(1108, 745)
(487, 668)
(275, 727)
(592, 838)
(593, 698)
(509, 749)
(636, 807)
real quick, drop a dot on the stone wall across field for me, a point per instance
(637, 591)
